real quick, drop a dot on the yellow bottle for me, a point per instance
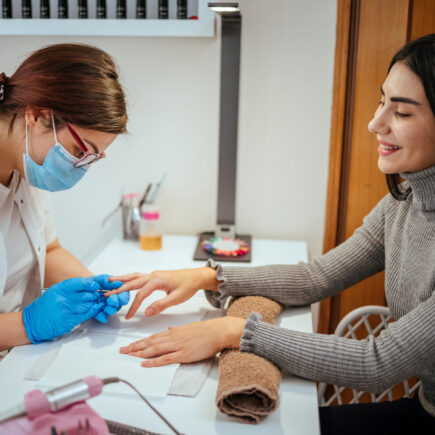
(150, 229)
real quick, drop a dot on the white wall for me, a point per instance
(172, 87)
(286, 96)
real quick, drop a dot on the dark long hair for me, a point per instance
(419, 56)
(78, 82)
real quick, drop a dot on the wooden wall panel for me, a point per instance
(338, 121)
(423, 18)
(376, 47)
(366, 184)
(376, 29)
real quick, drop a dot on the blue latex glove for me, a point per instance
(60, 308)
(114, 302)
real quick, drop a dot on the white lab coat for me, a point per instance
(26, 228)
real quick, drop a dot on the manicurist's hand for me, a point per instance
(60, 308)
(179, 285)
(112, 303)
(188, 343)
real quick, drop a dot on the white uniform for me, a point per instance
(26, 228)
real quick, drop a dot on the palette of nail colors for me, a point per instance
(225, 246)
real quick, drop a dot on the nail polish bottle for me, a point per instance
(101, 9)
(83, 8)
(62, 9)
(163, 10)
(141, 9)
(26, 8)
(44, 9)
(7, 9)
(181, 9)
(121, 9)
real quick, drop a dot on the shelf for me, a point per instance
(203, 27)
(94, 27)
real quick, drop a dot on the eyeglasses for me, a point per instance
(88, 157)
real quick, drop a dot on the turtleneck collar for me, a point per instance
(423, 188)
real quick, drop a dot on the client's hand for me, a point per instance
(179, 285)
(189, 343)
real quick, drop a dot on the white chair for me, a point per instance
(370, 319)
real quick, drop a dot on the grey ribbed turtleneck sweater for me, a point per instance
(398, 236)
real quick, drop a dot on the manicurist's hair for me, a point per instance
(77, 82)
(419, 56)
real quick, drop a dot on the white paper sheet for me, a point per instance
(93, 353)
(94, 350)
(190, 378)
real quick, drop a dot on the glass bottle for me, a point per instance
(141, 9)
(62, 9)
(163, 11)
(150, 228)
(131, 216)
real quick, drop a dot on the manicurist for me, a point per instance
(59, 111)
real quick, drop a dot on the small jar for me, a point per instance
(150, 228)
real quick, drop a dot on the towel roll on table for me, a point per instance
(248, 384)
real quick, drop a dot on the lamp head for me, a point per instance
(224, 8)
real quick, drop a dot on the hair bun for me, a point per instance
(3, 78)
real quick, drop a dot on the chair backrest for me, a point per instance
(363, 321)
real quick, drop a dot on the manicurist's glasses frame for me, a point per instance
(88, 156)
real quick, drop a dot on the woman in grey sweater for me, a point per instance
(398, 236)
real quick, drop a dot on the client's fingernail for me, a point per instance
(123, 349)
(150, 312)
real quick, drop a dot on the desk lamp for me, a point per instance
(224, 241)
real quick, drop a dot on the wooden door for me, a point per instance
(369, 32)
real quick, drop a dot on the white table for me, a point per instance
(297, 413)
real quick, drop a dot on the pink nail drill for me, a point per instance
(64, 410)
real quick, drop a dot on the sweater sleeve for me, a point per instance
(360, 256)
(403, 349)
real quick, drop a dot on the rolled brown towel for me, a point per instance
(248, 384)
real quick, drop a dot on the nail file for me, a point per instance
(190, 378)
(42, 363)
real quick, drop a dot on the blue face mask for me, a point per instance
(57, 172)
